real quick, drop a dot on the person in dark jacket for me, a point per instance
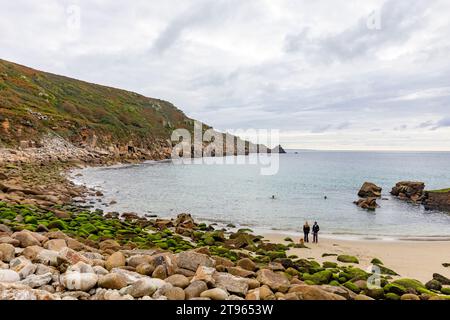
(306, 230)
(316, 232)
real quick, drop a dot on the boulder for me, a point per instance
(367, 203)
(139, 259)
(172, 293)
(71, 256)
(9, 276)
(231, 283)
(246, 264)
(26, 239)
(35, 281)
(437, 200)
(369, 190)
(113, 281)
(239, 272)
(55, 244)
(443, 280)
(433, 285)
(205, 274)
(347, 259)
(195, 289)
(130, 276)
(305, 292)
(7, 252)
(23, 266)
(409, 296)
(76, 281)
(144, 287)
(275, 281)
(145, 269)
(178, 280)
(192, 260)
(47, 257)
(115, 260)
(9, 240)
(215, 294)
(408, 190)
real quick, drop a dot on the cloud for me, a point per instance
(308, 67)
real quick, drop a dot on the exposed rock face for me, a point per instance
(367, 203)
(437, 200)
(408, 190)
(369, 190)
(192, 260)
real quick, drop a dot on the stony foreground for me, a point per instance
(51, 265)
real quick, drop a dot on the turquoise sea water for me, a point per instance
(239, 194)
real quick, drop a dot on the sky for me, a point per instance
(334, 75)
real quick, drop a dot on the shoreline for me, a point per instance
(409, 258)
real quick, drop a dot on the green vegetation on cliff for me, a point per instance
(34, 102)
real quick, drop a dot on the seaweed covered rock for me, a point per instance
(347, 259)
(321, 277)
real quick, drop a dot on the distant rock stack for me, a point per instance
(437, 200)
(277, 149)
(369, 193)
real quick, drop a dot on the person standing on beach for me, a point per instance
(316, 232)
(306, 230)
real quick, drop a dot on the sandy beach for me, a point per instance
(411, 259)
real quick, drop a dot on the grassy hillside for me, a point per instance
(34, 102)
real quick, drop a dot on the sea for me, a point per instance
(303, 185)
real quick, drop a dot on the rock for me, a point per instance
(239, 272)
(100, 271)
(205, 274)
(321, 277)
(215, 294)
(443, 280)
(7, 252)
(112, 281)
(31, 252)
(115, 260)
(145, 269)
(374, 292)
(220, 261)
(136, 260)
(246, 264)
(71, 256)
(167, 260)
(409, 190)
(130, 276)
(76, 281)
(437, 200)
(231, 283)
(184, 220)
(409, 296)
(253, 283)
(195, 289)
(55, 244)
(347, 259)
(178, 280)
(160, 272)
(144, 287)
(362, 297)
(433, 285)
(275, 281)
(9, 240)
(35, 281)
(262, 293)
(369, 190)
(81, 267)
(192, 260)
(16, 291)
(47, 257)
(9, 276)
(367, 203)
(172, 293)
(305, 292)
(341, 291)
(26, 239)
(234, 297)
(23, 266)
(109, 245)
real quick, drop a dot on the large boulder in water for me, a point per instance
(437, 200)
(370, 189)
(409, 190)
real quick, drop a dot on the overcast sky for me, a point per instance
(336, 74)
